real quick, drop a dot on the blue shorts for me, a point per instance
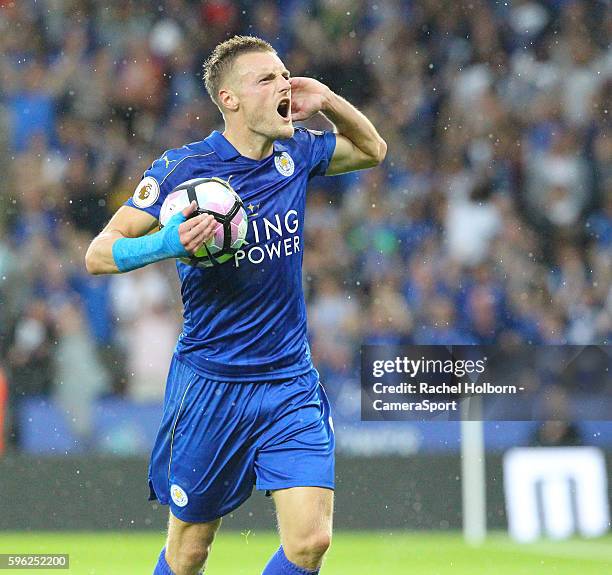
(217, 440)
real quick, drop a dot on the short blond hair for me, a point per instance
(224, 55)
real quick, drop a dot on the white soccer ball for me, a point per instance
(216, 197)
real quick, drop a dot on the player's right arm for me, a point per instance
(126, 244)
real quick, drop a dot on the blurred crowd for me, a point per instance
(490, 220)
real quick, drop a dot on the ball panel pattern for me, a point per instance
(213, 196)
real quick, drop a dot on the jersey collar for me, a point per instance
(226, 151)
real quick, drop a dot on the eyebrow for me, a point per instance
(264, 75)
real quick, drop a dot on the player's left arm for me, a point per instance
(358, 144)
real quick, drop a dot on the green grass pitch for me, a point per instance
(372, 553)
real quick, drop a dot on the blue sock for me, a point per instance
(280, 565)
(162, 567)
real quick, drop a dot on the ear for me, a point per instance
(228, 99)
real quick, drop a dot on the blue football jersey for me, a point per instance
(245, 320)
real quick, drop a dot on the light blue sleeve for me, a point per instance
(133, 253)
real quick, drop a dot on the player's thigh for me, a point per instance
(305, 516)
(203, 459)
(297, 448)
(189, 541)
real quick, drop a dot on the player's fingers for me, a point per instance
(192, 222)
(192, 236)
(192, 207)
(208, 233)
(186, 229)
(203, 236)
(194, 240)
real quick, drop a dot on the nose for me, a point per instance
(285, 84)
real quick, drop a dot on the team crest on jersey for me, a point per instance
(146, 193)
(178, 495)
(284, 164)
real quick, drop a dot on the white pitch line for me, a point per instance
(586, 550)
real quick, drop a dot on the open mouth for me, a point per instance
(284, 108)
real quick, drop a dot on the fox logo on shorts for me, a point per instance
(178, 495)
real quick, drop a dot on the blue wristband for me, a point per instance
(133, 253)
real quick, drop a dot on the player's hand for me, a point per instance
(308, 97)
(184, 235)
(194, 232)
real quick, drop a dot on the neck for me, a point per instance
(248, 143)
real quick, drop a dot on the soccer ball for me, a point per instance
(216, 197)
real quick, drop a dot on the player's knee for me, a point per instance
(309, 551)
(319, 543)
(189, 558)
(189, 544)
(189, 555)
